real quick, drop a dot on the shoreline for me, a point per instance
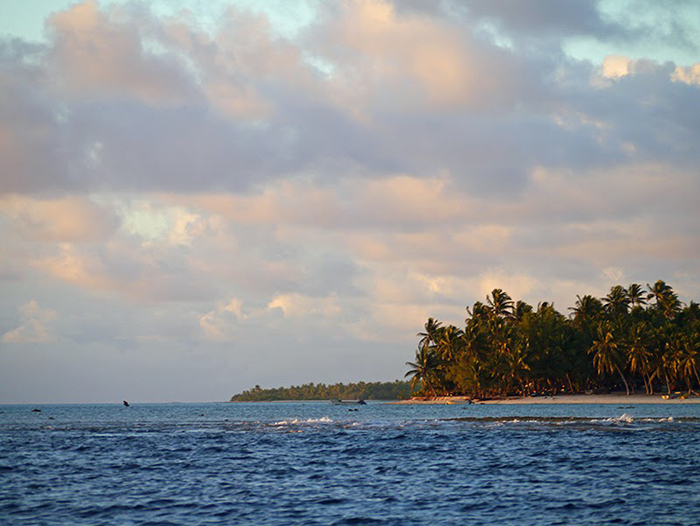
(596, 399)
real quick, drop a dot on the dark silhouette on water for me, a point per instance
(360, 401)
(126, 404)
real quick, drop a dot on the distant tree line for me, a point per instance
(633, 339)
(396, 390)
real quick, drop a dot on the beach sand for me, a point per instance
(615, 398)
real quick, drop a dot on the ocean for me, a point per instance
(319, 464)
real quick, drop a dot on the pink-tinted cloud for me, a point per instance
(67, 219)
(101, 53)
(33, 325)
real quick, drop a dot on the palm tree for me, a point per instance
(657, 291)
(449, 341)
(515, 369)
(423, 369)
(616, 303)
(666, 301)
(638, 354)
(474, 340)
(521, 310)
(472, 375)
(586, 310)
(606, 354)
(692, 311)
(500, 304)
(503, 346)
(688, 360)
(478, 313)
(636, 296)
(429, 337)
(669, 362)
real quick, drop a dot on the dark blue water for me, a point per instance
(314, 463)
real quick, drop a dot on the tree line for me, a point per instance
(633, 339)
(396, 390)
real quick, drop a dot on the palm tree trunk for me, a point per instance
(430, 386)
(696, 374)
(627, 387)
(651, 382)
(687, 383)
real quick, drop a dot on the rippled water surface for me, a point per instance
(314, 463)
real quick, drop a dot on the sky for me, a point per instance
(198, 197)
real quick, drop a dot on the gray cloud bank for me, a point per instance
(216, 207)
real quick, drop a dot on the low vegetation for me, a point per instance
(396, 390)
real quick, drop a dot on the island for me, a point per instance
(388, 391)
(634, 341)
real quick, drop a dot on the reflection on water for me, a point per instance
(313, 463)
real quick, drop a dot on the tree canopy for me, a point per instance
(396, 390)
(627, 340)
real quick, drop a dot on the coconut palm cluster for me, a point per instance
(635, 339)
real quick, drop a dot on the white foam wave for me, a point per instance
(624, 418)
(297, 421)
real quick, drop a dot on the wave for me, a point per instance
(627, 419)
(621, 422)
(297, 421)
(624, 421)
(624, 418)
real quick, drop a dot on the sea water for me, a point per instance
(316, 463)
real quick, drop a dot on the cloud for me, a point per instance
(616, 66)
(116, 101)
(100, 52)
(66, 219)
(287, 202)
(139, 272)
(395, 200)
(457, 94)
(302, 306)
(548, 17)
(34, 325)
(688, 75)
(220, 323)
(387, 59)
(292, 312)
(516, 285)
(241, 63)
(209, 192)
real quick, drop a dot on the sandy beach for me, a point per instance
(616, 398)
